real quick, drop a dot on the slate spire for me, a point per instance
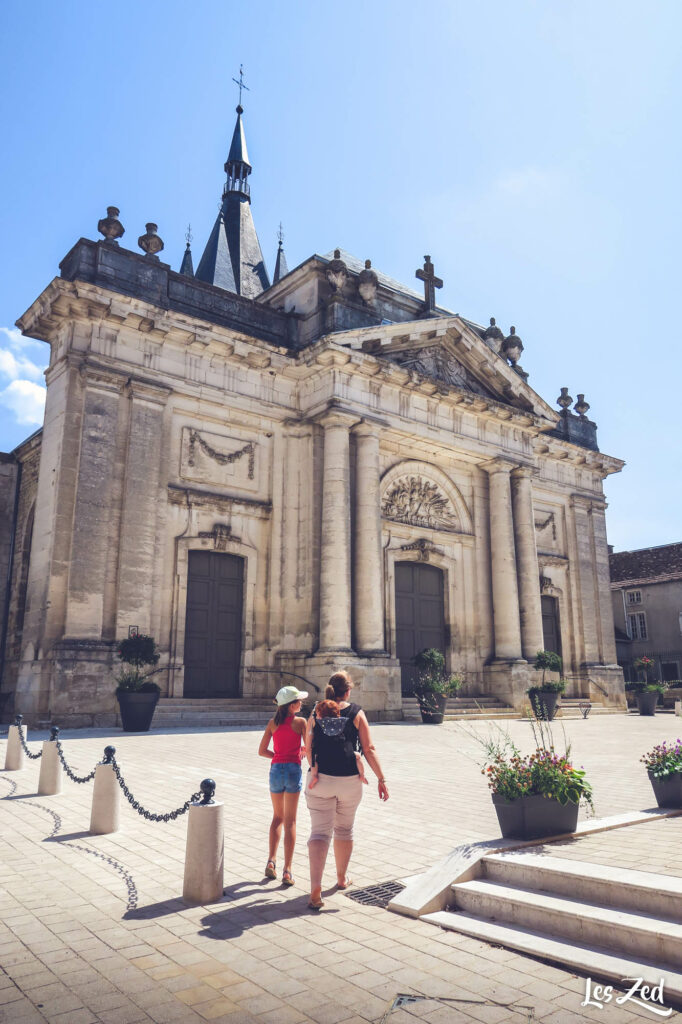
(232, 258)
(281, 268)
(187, 266)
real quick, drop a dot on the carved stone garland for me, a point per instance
(222, 458)
(419, 502)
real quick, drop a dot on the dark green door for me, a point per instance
(213, 631)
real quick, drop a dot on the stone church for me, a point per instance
(326, 470)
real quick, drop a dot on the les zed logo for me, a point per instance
(640, 994)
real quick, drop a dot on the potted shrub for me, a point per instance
(647, 692)
(545, 697)
(137, 695)
(664, 768)
(434, 685)
(536, 794)
(647, 697)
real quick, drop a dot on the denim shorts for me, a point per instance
(285, 778)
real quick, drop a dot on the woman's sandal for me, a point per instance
(287, 877)
(270, 872)
(349, 882)
(315, 905)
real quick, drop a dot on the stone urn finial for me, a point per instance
(110, 226)
(512, 347)
(150, 242)
(368, 282)
(564, 400)
(493, 335)
(337, 272)
(581, 406)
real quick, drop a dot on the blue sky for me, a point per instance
(532, 148)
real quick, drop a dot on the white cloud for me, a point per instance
(15, 363)
(26, 400)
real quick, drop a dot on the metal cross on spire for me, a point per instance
(280, 235)
(431, 282)
(240, 82)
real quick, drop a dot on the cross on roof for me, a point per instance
(431, 282)
(240, 82)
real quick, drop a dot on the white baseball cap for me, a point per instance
(288, 694)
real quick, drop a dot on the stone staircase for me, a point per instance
(462, 708)
(599, 922)
(188, 712)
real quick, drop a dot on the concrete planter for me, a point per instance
(432, 708)
(668, 791)
(646, 703)
(532, 817)
(137, 710)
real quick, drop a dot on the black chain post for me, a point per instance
(54, 733)
(34, 757)
(72, 776)
(149, 815)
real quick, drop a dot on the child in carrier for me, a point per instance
(329, 714)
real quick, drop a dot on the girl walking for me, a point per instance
(287, 732)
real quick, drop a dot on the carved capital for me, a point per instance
(337, 418)
(524, 472)
(499, 465)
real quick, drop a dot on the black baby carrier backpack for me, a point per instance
(335, 741)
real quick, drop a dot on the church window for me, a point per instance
(670, 671)
(634, 597)
(637, 629)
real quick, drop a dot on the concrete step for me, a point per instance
(593, 961)
(215, 702)
(595, 883)
(579, 921)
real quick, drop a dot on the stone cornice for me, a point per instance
(179, 494)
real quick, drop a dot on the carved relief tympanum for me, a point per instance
(419, 502)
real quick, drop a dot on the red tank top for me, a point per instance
(286, 743)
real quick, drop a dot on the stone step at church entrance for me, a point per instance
(598, 922)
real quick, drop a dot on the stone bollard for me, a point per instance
(678, 708)
(106, 804)
(204, 854)
(14, 755)
(50, 778)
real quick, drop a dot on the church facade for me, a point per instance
(324, 472)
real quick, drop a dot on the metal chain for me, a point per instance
(34, 757)
(72, 776)
(149, 815)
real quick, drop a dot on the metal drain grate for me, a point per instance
(376, 895)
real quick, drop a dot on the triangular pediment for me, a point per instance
(449, 351)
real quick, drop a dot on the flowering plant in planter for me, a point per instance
(664, 760)
(644, 664)
(535, 794)
(664, 766)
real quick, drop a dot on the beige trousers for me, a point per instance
(332, 804)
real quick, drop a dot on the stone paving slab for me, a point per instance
(92, 928)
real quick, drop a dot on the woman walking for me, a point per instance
(336, 795)
(287, 732)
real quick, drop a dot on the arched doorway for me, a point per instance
(213, 629)
(419, 615)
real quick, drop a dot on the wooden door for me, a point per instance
(550, 624)
(419, 615)
(213, 631)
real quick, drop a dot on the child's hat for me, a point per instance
(288, 694)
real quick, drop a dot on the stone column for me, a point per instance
(506, 623)
(335, 594)
(368, 576)
(528, 574)
(603, 574)
(584, 573)
(140, 507)
(94, 497)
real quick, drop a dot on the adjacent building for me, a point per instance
(646, 589)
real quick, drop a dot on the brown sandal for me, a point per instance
(287, 877)
(270, 872)
(315, 906)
